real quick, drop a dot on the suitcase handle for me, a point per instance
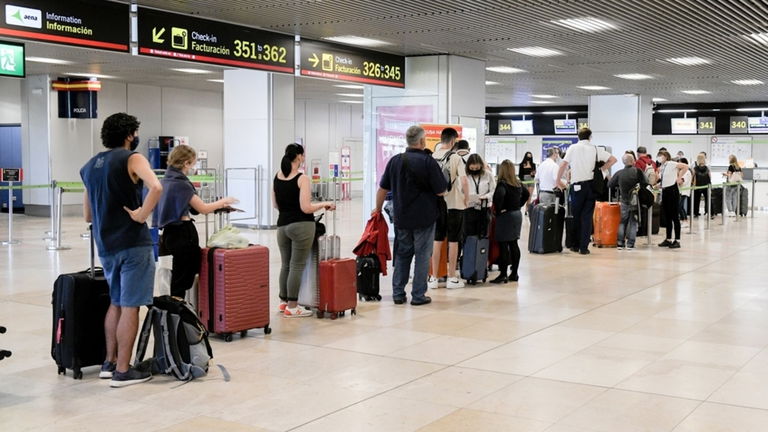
(92, 252)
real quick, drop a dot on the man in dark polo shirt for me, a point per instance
(416, 182)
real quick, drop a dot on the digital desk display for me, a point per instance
(182, 37)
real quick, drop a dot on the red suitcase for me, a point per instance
(606, 220)
(338, 287)
(238, 282)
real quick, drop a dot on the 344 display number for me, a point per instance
(505, 127)
(254, 51)
(376, 70)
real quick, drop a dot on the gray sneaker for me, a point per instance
(107, 369)
(131, 377)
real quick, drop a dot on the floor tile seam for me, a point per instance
(381, 393)
(735, 372)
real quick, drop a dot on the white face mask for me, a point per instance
(662, 159)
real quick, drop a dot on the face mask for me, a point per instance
(135, 143)
(662, 159)
(475, 172)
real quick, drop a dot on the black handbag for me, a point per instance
(598, 181)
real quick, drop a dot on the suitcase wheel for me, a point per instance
(62, 370)
(267, 330)
(77, 374)
(244, 333)
(342, 313)
(354, 311)
(320, 314)
(228, 337)
(334, 315)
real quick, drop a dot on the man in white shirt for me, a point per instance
(581, 158)
(546, 176)
(449, 225)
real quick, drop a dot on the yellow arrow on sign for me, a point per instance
(156, 35)
(314, 60)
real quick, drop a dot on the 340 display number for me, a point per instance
(738, 124)
(376, 70)
(254, 51)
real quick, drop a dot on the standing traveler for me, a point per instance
(702, 176)
(508, 197)
(527, 173)
(671, 175)
(685, 192)
(417, 185)
(546, 177)
(292, 197)
(478, 185)
(733, 175)
(644, 160)
(114, 180)
(179, 238)
(582, 158)
(628, 180)
(452, 207)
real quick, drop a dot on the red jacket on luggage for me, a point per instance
(375, 240)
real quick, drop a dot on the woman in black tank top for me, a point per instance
(295, 227)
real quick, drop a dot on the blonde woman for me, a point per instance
(508, 197)
(179, 237)
(732, 192)
(701, 177)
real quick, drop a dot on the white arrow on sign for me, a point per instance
(156, 35)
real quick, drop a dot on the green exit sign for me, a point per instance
(12, 59)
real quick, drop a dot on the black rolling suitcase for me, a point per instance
(744, 201)
(642, 227)
(368, 270)
(716, 206)
(80, 302)
(546, 232)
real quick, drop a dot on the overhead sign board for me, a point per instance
(684, 126)
(739, 125)
(182, 37)
(505, 127)
(565, 126)
(343, 63)
(12, 59)
(706, 125)
(757, 125)
(86, 23)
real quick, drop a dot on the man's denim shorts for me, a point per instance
(130, 274)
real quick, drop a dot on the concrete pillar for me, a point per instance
(621, 122)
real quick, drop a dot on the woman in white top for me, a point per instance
(478, 187)
(685, 192)
(671, 174)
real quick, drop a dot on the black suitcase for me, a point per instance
(716, 206)
(368, 270)
(80, 302)
(474, 259)
(546, 231)
(642, 227)
(744, 201)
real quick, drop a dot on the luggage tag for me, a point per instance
(576, 188)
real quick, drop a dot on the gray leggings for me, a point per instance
(295, 242)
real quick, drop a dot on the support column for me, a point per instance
(621, 122)
(258, 124)
(438, 89)
(36, 142)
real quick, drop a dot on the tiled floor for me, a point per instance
(649, 340)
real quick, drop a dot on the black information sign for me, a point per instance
(505, 127)
(10, 174)
(739, 124)
(88, 23)
(343, 63)
(706, 125)
(182, 37)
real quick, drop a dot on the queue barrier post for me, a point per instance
(723, 205)
(57, 246)
(10, 240)
(752, 207)
(51, 235)
(709, 204)
(737, 210)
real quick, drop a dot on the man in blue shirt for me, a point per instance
(416, 181)
(114, 180)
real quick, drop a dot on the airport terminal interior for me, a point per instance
(644, 339)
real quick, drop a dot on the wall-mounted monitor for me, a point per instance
(684, 126)
(565, 126)
(522, 127)
(757, 125)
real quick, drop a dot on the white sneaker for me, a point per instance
(298, 312)
(432, 283)
(454, 283)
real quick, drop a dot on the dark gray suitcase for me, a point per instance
(546, 232)
(744, 201)
(474, 259)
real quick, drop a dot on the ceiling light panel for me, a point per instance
(357, 40)
(760, 38)
(688, 61)
(351, 102)
(586, 24)
(355, 95)
(88, 74)
(349, 86)
(536, 51)
(747, 82)
(504, 69)
(634, 76)
(192, 71)
(594, 87)
(544, 96)
(48, 60)
(658, 99)
(696, 92)
(491, 83)
(540, 102)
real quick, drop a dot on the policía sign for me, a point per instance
(343, 63)
(170, 35)
(87, 23)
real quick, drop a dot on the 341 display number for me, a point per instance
(254, 51)
(376, 70)
(706, 125)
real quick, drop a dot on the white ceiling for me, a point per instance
(646, 33)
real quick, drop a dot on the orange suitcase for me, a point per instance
(442, 270)
(233, 294)
(605, 220)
